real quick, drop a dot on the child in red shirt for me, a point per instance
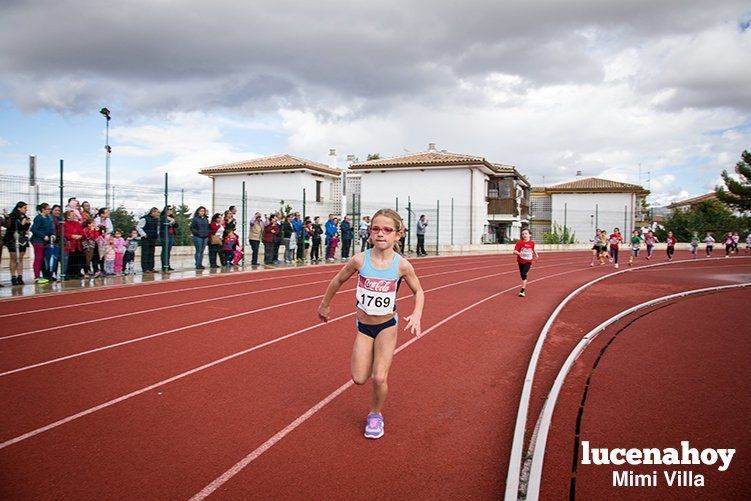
(230, 243)
(525, 255)
(671, 241)
(615, 239)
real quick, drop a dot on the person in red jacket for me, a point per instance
(671, 241)
(615, 239)
(525, 255)
(270, 231)
(73, 231)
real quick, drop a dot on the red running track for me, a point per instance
(676, 371)
(449, 417)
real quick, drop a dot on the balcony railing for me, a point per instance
(507, 206)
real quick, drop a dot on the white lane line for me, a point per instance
(186, 289)
(517, 446)
(184, 304)
(240, 465)
(538, 456)
(199, 324)
(114, 401)
(199, 287)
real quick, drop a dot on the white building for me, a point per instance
(467, 199)
(271, 180)
(587, 204)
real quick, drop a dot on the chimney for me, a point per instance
(578, 173)
(431, 146)
(350, 159)
(332, 158)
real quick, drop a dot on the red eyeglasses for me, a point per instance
(386, 230)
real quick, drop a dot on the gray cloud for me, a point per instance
(165, 56)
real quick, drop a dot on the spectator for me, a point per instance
(348, 235)
(103, 219)
(330, 229)
(307, 230)
(402, 248)
(333, 246)
(16, 240)
(129, 258)
(167, 227)
(364, 233)
(75, 209)
(269, 239)
(55, 214)
(278, 237)
(316, 232)
(256, 232)
(216, 234)
(288, 233)
(41, 231)
(73, 232)
(86, 213)
(230, 221)
(422, 224)
(297, 225)
(199, 228)
(89, 246)
(119, 243)
(229, 245)
(148, 230)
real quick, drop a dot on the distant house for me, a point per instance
(469, 199)
(586, 204)
(690, 203)
(269, 180)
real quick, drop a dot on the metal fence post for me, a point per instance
(409, 224)
(597, 216)
(437, 225)
(452, 220)
(245, 222)
(625, 220)
(61, 243)
(165, 230)
(565, 221)
(397, 204)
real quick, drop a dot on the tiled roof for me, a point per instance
(693, 201)
(593, 184)
(430, 158)
(272, 163)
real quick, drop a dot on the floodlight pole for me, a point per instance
(108, 150)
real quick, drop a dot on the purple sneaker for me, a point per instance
(374, 426)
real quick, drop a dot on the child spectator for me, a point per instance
(129, 258)
(119, 242)
(88, 242)
(332, 248)
(109, 254)
(229, 245)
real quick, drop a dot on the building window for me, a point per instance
(319, 197)
(541, 207)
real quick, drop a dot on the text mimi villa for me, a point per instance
(686, 455)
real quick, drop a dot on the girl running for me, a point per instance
(671, 241)
(525, 255)
(748, 243)
(380, 270)
(695, 244)
(728, 244)
(596, 248)
(604, 247)
(635, 246)
(709, 241)
(615, 240)
(650, 240)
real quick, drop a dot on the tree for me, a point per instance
(373, 156)
(559, 235)
(123, 220)
(710, 215)
(737, 193)
(182, 216)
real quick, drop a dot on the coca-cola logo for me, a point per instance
(377, 285)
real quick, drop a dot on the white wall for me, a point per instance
(585, 211)
(266, 190)
(424, 188)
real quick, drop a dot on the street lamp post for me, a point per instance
(106, 113)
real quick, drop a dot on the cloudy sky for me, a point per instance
(550, 86)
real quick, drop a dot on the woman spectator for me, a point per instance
(167, 227)
(199, 228)
(278, 239)
(73, 232)
(216, 234)
(86, 213)
(364, 233)
(288, 233)
(229, 222)
(307, 233)
(269, 240)
(256, 233)
(41, 231)
(103, 219)
(16, 240)
(316, 232)
(148, 229)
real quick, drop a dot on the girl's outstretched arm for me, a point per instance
(349, 269)
(413, 320)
